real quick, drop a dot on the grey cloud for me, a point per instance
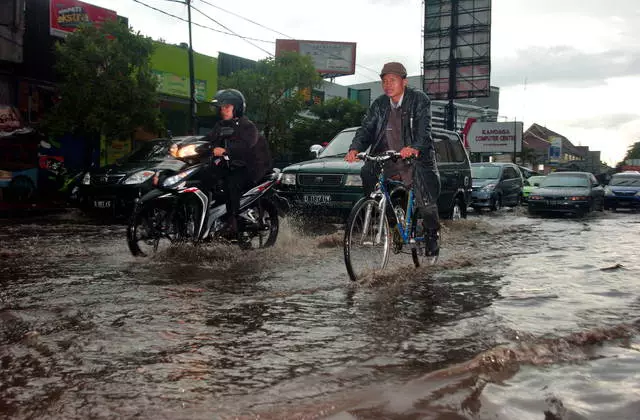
(611, 121)
(564, 66)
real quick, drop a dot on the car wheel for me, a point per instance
(496, 204)
(21, 189)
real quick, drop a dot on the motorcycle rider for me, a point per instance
(237, 137)
(400, 119)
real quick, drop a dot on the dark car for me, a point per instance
(330, 186)
(567, 192)
(495, 184)
(623, 191)
(113, 188)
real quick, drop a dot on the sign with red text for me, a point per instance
(495, 137)
(66, 16)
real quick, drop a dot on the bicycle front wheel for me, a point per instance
(367, 240)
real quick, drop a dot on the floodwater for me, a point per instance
(522, 318)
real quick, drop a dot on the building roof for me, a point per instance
(543, 132)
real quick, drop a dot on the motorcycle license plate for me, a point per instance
(316, 199)
(102, 204)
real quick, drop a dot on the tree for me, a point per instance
(274, 93)
(633, 152)
(332, 117)
(107, 87)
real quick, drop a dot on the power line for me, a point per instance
(244, 18)
(244, 38)
(270, 29)
(198, 24)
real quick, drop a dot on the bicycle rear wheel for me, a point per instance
(367, 240)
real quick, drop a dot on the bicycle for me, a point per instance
(368, 229)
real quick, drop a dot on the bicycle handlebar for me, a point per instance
(388, 155)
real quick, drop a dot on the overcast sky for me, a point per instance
(571, 65)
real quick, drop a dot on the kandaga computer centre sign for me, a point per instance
(495, 137)
(68, 15)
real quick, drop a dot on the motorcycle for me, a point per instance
(179, 210)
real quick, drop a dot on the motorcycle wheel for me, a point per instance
(151, 230)
(265, 232)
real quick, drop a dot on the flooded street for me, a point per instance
(522, 318)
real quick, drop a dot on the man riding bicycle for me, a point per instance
(400, 119)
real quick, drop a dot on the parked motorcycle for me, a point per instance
(179, 210)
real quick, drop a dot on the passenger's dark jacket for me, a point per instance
(245, 147)
(416, 126)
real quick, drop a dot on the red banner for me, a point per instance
(66, 16)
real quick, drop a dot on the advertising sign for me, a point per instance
(457, 35)
(65, 16)
(9, 118)
(495, 137)
(555, 149)
(174, 85)
(329, 58)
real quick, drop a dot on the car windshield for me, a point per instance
(533, 180)
(151, 151)
(565, 181)
(626, 180)
(485, 172)
(339, 145)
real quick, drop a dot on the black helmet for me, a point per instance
(231, 97)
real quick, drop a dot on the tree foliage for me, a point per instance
(633, 152)
(331, 117)
(107, 86)
(274, 94)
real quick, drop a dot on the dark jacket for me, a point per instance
(416, 126)
(245, 146)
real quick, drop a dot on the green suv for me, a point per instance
(329, 186)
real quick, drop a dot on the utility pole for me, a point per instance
(193, 118)
(453, 33)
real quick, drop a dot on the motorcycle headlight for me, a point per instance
(177, 178)
(489, 187)
(288, 179)
(353, 181)
(139, 177)
(86, 179)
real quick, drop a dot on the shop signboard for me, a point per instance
(65, 16)
(495, 137)
(555, 149)
(174, 85)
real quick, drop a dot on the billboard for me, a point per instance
(457, 48)
(174, 85)
(555, 149)
(495, 137)
(330, 58)
(65, 16)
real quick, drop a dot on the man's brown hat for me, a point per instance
(393, 68)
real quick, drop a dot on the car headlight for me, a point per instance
(578, 198)
(86, 179)
(489, 187)
(638, 194)
(139, 177)
(535, 197)
(353, 181)
(608, 191)
(288, 179)
(175, 179)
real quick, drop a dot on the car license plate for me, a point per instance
(102, 204)
(316, 199)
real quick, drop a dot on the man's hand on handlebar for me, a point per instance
(407, 152)
(219, 151)
(352, 156)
